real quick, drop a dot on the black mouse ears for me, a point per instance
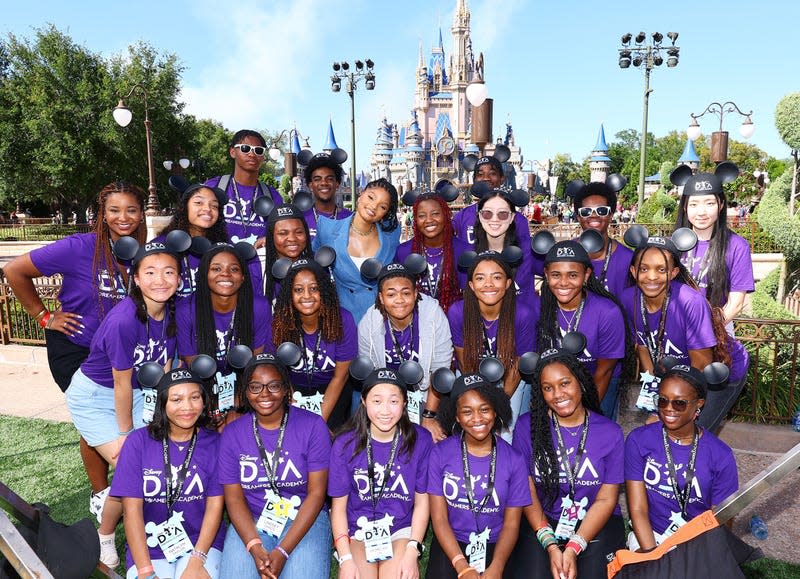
(490, 371)
(501, 154)
(704, 183)
(324, 257)
(286, 354)
(682, 239)
(305, 156)
(443, 188)
(714, 374)
(543, 241)
(152, 375)
(515, 197)
(413, 265)
(407, 376)
(616, 182)
(301, 202)
(127, 248)
(511, 255)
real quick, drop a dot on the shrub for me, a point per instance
(658, 208)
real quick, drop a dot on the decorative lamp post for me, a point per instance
(647, 56)
(123, 116)
(342, 72)
(719, 139)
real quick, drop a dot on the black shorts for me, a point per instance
(64, 357)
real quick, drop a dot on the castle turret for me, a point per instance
(330, 140)
(689, 156)
(599, 161)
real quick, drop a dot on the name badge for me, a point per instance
(415, 400)
(648, 392)
(225, 384)
(476, 550)
(676, 522)
(312, 402)
(378, 541)
(276, 513)
(170, 536)
(571, 513)
(149, 397)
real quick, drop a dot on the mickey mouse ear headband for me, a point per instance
(412, 266)
(514, 197)
(578, 189)
(407, 376)
(286, 354)
(683, 239)
(510, 255)
(443, 188)
(590, 241)
(151, 374)
(501, 154)
(323, 258)
(490, 373)
(127, 248)
(285, 211)
(712, 377)
(306, 157)
(704, 183)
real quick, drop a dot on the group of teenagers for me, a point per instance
(361, 388)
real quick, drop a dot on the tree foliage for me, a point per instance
(787, 119)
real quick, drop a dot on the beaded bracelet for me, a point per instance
(252, 543)
(282, 551)
(456, 559)
(579, 540)
(200, 555)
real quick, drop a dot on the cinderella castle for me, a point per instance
(429, 146)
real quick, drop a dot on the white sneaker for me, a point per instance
(96, 502)
(108, 550)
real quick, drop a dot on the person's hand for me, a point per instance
(119, 443)
(262, 560)
(65, 322)
(409, 564)
(276, 562)
(260, 242)
(348, 570)
(569, 566)
(493, 572)
(195, 569)
(556, 562)
(432, 425)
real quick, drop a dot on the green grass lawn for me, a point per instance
(39, 460)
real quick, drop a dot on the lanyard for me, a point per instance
(478, 509)
(228, 339)
(188, 270)
(701, 272)
(606, 261)
(120, 291)
(398, 350)
(316, 215)
(682, 496)
(239, 207)
(172, 493)
(572, 325)
(375, 497)
(655, 346)
(162, 341)
(572, 472)
(487, 347)
(309, 365)
(271, 469)
(431, 282)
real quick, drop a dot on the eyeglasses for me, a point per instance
(679, 405)
(502, 215)
(602, 211)
(245, 148)
(258, 387)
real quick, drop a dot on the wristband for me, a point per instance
(44, 321)
(152, 576)
(574, 546)
(40, 314)
(343, 558)
(252, 543)
(342, 536)
(282, 551)
(456, 559)
(464, 571)
(125, 433)
(429, 413)
(579, 540)
(200, 555)
(146, 569)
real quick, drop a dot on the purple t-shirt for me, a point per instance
(83, 291)
(616, 278)
(715, 479)
(122, 342)
(243, 223)
(524, 327)
(604, 327)
(446, 478)
(348, 476)
(314, 378)
(602, 461)
(190, 263)
(223, 324)
(688, 325)
(306, 449)
(434, 259)
(403, 345)
(311, 218)
(737, 258)
(140, 475)
(465, 219)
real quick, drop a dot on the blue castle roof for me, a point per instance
(689, 154)
(295, 143)
(330, 140)
(601, 145)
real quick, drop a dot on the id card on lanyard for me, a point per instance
(378, 538)
(677, 520)
(476, 550)
(571, 512)
(277, 510)
(655, 347)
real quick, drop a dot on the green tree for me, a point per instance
(568, 170)
(787, 121)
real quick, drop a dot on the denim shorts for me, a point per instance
(93, 413)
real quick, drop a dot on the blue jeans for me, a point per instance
(311, 557)
(609, 403)
(520, 404)
(719, 403)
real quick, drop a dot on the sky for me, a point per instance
(551, 68)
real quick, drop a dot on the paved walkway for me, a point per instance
(27, 389)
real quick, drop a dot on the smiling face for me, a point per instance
(269, 406)
(398, 296)
(384, 404)
(323, 184)
(373, 204)
(594, 221)
(202, 210)
(475, 415)
(157, 276)
(702, 211)
(123, 214)
(678, 422)
(429, 220)
(289, 237)
(562, 392)
(500, 214)
(225, 275)
(306, 297)
(489, 282)
(487, 172)
(184, 406)
(249, 162)
(654, 273)
(566, 279)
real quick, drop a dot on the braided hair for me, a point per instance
(449, 290)
(286, 324)
(206, 330)
(544, 457)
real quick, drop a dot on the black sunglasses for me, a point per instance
(678, 404)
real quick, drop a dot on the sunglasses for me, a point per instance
(502, 215)
(678, 405)
(258, 387)
(602, 211)
(245, 148)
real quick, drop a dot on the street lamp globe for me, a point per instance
(694, 131)
(747, 129)
(274, 153)
(122, 114)
(477, 93)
